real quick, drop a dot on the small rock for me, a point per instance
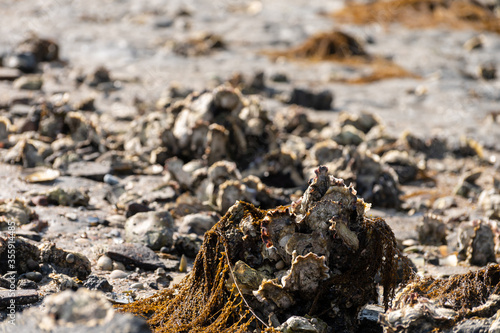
(489, 202)
(432, 231)
(32, 82)
(188, 245)
(444, 203)
(24, 61)
(116, 221)
(110, 179)
(63, 281)
(198, 223)
(135, 207)
(71, 216)
(135, 254)
(70, 258)
(118, 274)
(318, 101)
(105, 263)
(9, 74)
(118, 265)
(279, 77)
(474, 43)
(297, 324)
(21, 297)
(160, 271)
(94, 282)
(487, 72)
(154, 229)
(26, 284)
(80, 267)
(137, 285)
(34, 276)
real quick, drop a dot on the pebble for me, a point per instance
(118, 265)
(9, 74)
(135, 254)
(137, 285)
(21, 297)
(93, 221)
(34, 82)
(26, 284)
(105, 263)
(280, 265)
(110, 179)
(71, 216)
(118, 274)
(34, 276)
(70, 258)
(94, 282)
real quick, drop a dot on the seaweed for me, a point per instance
(319, 257)
(464, 293)
(341, 47)
(457, 14)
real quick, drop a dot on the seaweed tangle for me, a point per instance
(343, 48)
(464, 293)
(319, 257)
(456, 14)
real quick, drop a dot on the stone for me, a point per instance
(70, 258)
(153, 229)
(26, 284)
(9, 74)
(95, 282)
(21, 297)
(105, 263)
(118, 274)
(32, 82)
(25, 250)
(137, 285)
(34, 276)
(135, 254)
(198, 223)
(297, 324)
(318, 101)
(80, 267)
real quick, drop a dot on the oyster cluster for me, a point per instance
(296, 260)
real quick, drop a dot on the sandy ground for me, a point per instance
(132, 39)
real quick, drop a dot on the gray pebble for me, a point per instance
(110, 179)
(160, 271)
(105, 263)
(137, 285)
(70, 258)
(118, 274)
(118, 265)
(34, 276)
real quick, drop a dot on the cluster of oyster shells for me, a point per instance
(296, 259)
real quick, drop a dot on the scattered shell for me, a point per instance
(118, 274)
(46, 175)
(183, 264)
(105, 263)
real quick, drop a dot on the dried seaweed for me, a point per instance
(461, 292)
(319, 256)
(457, 14)
(340, 47)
